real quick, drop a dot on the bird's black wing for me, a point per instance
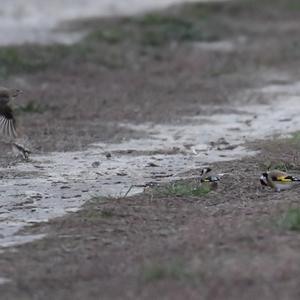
(292, 178)
(7, 121)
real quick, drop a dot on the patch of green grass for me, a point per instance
(295, 137)
(107, 213)
(158, 29)
(289, 5)
(157, 272)
(182, 189)
(112, 43)
(155, 29)
(204, 11)
(108, 35)
(294, 140)
(31, 107)
(291, 219)
(29, 59)
(277, 165)
(95, 208)
(91, 215)
(33, 58)
(12, 60)
(157, 19)
(102, 45)
(95, 214)
(292, 4)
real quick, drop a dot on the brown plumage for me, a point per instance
(8, 122)
(7, 119)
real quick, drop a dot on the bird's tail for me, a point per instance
(292, 178)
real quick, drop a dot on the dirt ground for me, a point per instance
(226, 244)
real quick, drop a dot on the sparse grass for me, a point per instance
(291, 219)
(95, 211)
(292, 5)
(152, 30)
(35, 58)
(31, 107)
(107, 213)
(204, 11)
(295, 139)
(95, 214)
(111, 41)
(276, 165)
(157, 272)
(182, 189)
(29, 59)
(157, 30)
(109, 35)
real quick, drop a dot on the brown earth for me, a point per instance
(227, 244)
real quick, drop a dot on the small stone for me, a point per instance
(65, 187)
(95, 164)
(108, 155)
(153, 165)
(121, 174)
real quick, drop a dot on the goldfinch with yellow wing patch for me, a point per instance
(278, 180)
(211, 180)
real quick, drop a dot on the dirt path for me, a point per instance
(165, 93)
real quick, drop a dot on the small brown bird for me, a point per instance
(7, 119)
(21, 150)
(8, 128)
(278, 180)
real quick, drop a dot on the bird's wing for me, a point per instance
(211, 179)
(7, 121)
(292, 178)
(283, 178)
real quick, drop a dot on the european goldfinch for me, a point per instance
(278, 180)
(212, 180)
